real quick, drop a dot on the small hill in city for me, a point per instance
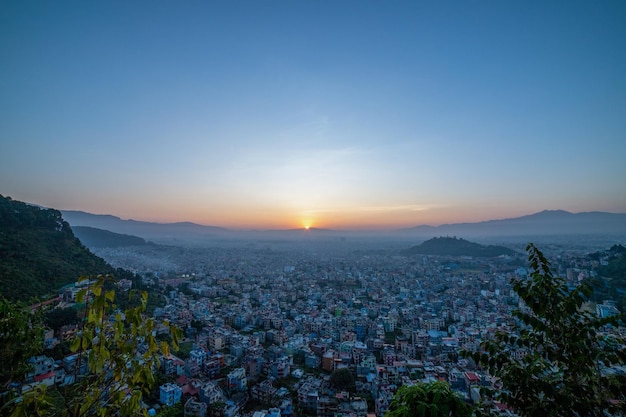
(39, 253)
(453, 246)
(610, 282)
(98, 238)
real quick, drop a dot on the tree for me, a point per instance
(433, 399)
(176, 410)
(197, 324)
(59, 317)
(342, 379)
(21, 337)
(116, 357)
(556, 361)
(612, 277)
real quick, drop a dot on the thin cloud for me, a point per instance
(376, 209)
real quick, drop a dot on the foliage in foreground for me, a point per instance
(21, 336)
(116, 356)
(433, 399)
(558, 363)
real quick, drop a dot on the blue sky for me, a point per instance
(338, 114)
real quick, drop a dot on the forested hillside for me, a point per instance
(452, 246)
(612, 276)
(39, 254)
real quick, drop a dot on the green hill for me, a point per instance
(39, 254)
(452, 246)
(99, 238)
(611, 281)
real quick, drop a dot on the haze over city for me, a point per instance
(351, 114)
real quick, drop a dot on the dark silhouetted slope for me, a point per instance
(452, 246)
(39, 254)
(99, 238)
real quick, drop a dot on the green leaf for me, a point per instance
(75, 344)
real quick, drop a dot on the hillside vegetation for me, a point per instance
(39, 254)
(452, 246)
(611, 284)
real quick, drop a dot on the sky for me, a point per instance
(332, 114)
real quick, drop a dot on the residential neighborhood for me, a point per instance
(266, 333)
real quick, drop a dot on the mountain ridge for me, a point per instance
(543, 223)
(162, 232)
(546, 223)
(79, 216)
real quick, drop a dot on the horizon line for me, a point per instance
(364, 228)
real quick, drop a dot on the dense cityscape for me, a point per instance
(268, 332)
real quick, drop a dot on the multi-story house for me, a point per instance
(237, 381)
(308, 393)
(280, 368)
(170, 394)
(173, 365)
(216, 342)
(209, 393)
(198, 356)
(264, 392)
(195, 408)
(41, 365)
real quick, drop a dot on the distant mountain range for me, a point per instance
(545, 224)
(146, 230)
(451, 246)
